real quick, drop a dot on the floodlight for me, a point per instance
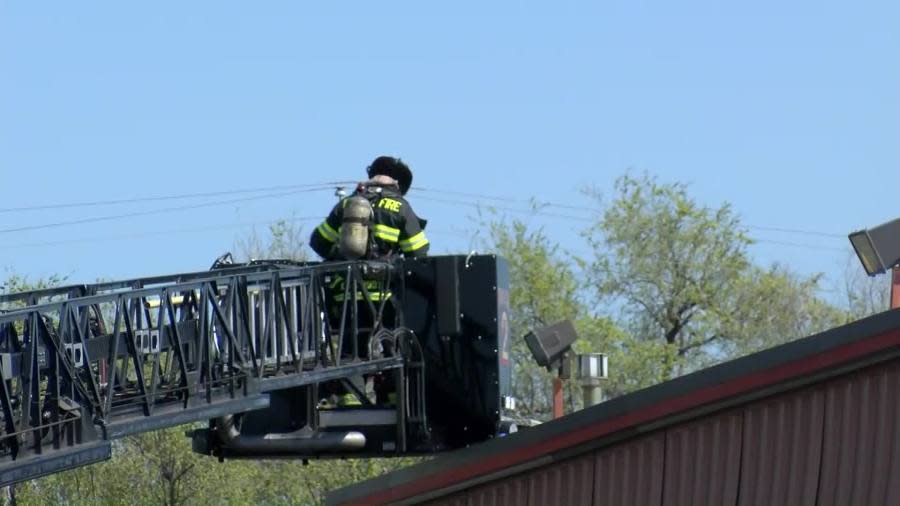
(878, 248)
(549, 344)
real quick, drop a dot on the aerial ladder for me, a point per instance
(250, 351)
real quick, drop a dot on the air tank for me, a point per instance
(355, 228)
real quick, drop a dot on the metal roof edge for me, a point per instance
(821, 355)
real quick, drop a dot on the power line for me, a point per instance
(182, 196)
(538, 204)
(798, 245)
(538, 212)
(532, 212)
(294, 189)
(535, 210)
(798, 231)
(156, 233)
(153, 211)
(143, 235)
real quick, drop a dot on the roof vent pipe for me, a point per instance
(592, 369)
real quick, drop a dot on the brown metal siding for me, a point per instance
(568, 482)
(459, 499)
(782, 448)
(836, 443)
(630, 473)
(702, 461)
(861, 452)
(508, 492)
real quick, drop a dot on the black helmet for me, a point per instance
(394, 168)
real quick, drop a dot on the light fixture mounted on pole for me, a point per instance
(878, 249)
(551, 347)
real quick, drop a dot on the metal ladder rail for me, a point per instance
(51, 364)
(58, 293)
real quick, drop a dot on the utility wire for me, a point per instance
(208, 228)
(536, 202)
(155, 211)
(798, 231)
(143, 235)
(799, 245)
(539, 212)
(183, 196)
(532, 212)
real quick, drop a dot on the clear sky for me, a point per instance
(788, 110)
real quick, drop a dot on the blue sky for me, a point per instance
(788, 110)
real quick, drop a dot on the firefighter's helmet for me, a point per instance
(394, 168)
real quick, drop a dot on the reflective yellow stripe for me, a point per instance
(414, 243)
(327, 232)
(387, 230)
(386, 233)
(385, 237)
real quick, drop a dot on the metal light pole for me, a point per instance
(895, 287)
(563, 372)
(551, 347)
(558, 410)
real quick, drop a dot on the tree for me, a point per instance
(153, 468)
(773, 306)
(669, 262)
(863, 295)
(18, 283)
(543, 289)
(286, 241)
(680, 274)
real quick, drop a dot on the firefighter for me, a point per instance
(375, 223)
(394, 227)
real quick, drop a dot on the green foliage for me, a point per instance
(768, 307)
(18, 283)
(544, 288)
(159, 468)
(153, 468)
(285, 241)
(634, 363)
(863, 295)
(669, 289)
(669, 262)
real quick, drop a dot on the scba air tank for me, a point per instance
(358, 214)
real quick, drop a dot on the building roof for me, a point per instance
(803, 362)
